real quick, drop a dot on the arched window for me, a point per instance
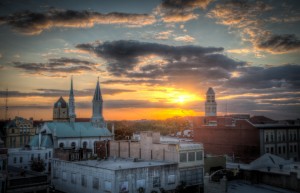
(61, 145)
(73, 145)
(84, 145)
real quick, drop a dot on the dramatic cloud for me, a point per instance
(180, 10)
(176, 63)
(248, 17)
(31, 23)
(279, 43)
(286, 76)
(57, 66)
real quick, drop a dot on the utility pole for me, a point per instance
(6, 105)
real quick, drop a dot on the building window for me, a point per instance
(73, 178)
(295, 148)
(141, 183)
(283, 149)
(267, 138)
(192, 176)
(13, 131)
(272, 150)
(123, 187)
(191, 156)
(61, 145)
(107, 186)
(183, 157)
(291, 148)
(15, 160)
(83, 180)
(156, 182)
(171, 179)
(295, 136)
(73, 145)
(271, 137)
(279, 150)
(95, 183)
(21, 159)
(199, 155)
(267, 150)
(84, 145)
(64, 176)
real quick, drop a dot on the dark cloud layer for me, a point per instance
(192, 62)
(286, 76)
(57, 92)
(279, 43)
(31, 23)
(56, 66)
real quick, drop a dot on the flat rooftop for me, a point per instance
(120, 164)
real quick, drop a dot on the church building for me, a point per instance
(65, 132)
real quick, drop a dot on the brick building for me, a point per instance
(237, 138)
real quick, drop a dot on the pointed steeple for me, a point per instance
(97, 94)
(72, 114)
(97, 118)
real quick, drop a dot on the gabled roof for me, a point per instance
(46, 141)
(268, 160)
(76, 129)
(60, 103)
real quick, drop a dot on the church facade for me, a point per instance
(65, 132)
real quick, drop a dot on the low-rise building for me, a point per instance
(114, 176)
(23, 157)
(188, 155)
(280, 139)
(19, 132)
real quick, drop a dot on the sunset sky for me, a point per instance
(155, 59)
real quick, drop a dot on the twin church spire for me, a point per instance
(63, 111)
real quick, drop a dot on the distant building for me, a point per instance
(19, 132)
(114, 176)
(188, 155)
(280, 139)
(245, 138)
(210, 103)
(236, 138)
(23, 157)
(65, 132)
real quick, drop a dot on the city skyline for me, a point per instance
(155, 59)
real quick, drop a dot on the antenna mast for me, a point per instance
(6, 104)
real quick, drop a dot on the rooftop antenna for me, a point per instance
(6, 104)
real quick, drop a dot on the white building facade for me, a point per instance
(22, 158)
(113, 176)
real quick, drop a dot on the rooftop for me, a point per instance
(120, 164)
